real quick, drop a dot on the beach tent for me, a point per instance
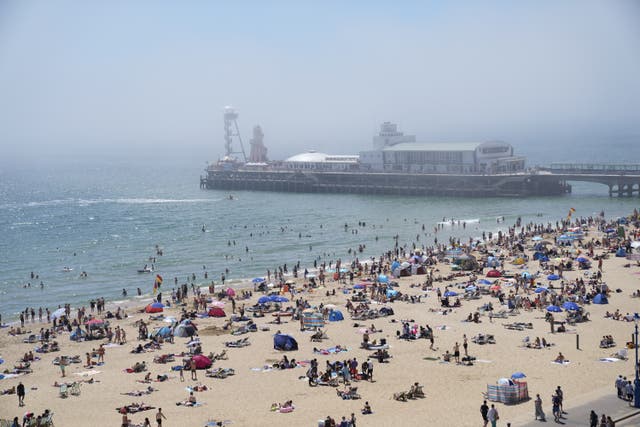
(216, 312)
(164, 332)
(519, 261)
(554, 308)
(494, 273)
(600, 299)
(621, 253)
(537, 255)
(312, 320)
(335, 316)
(156, 307)
(77, 334)
(526, 275)
(184, 330)
(284, 342)
(570, 305)
(231, 292)
(202, 362)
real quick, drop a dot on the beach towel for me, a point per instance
(609, 359)
(564, 362)
(87, 373)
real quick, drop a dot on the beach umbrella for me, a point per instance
(231, 292)
(217, 304)
(58, 313)
(554, 308)
(582, 259)
(570, 305)
(202, 362)
(553, 277)
(264, 300)
(258, 280)
(494, 273)
(540, 290)
(518, 375)
(450, 294)
(526, 275)
(278, 298)
(483, 282)
(383, 279)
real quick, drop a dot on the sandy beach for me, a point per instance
(453, 392)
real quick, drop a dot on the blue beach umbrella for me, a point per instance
(540, 290)
(554, 308)
(278, 298)
(263, 300)
(383, 279)
(258, 280)
(451, 294)
(526, 275)
(484, 282)
(582, 259)
(570, 305)
(553, 277)
(518, 375)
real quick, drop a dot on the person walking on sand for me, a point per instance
(492, 415)
(593, 419)
(484, 410)
(20, 392)
(539, 412)
(159, 417)
(192, 366)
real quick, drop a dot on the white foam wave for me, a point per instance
(460, 221)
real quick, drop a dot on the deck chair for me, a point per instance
(48, 420)
(64, 391)
(75, 389)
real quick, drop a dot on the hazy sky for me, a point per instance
(121, 77)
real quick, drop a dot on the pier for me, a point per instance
(623, 180)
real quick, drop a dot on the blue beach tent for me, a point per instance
(284, 342)
(335, 316)
(600, 299)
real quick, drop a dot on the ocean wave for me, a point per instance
(124, 200)
(460, 221)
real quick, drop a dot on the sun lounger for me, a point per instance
(75, 389)
(63, 391)
(239, 343)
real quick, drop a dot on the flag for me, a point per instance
(157, 283)
(571, 211)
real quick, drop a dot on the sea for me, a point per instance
(109, 217)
